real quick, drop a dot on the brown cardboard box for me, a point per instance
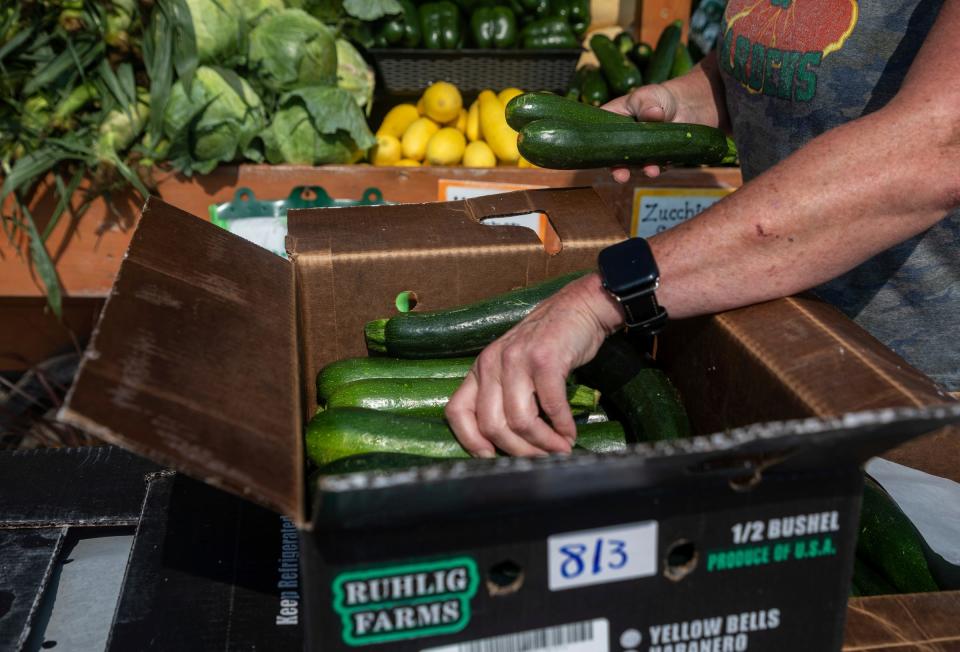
(205, 357)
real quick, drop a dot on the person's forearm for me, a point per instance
(844, 197)
(700, 95)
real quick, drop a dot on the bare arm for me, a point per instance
(847, 195)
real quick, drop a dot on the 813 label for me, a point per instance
(602, 555)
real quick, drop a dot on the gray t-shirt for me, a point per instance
(794, 69)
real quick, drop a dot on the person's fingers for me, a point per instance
(550, 383)
(462, 416)
(618, 105)
(651, 171)
(522, 412)
(492, 421)
(651, 113)
(621, 174)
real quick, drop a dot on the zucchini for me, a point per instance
(595, 90)
(342, 432)
(661, 61)
(868, 581)
(460, 331)
(526, 108)
(601, 437)
(640, 54)
(351, 370)
(565, 145)
(624, 42)
(621, 74)
(576, 83)
(682, 62)
(635, 392)
(427, 397)
(890, 543)
(338, 434)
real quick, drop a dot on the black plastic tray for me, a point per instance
(402, 71)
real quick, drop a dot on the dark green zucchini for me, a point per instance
(640, 54)
(565, 145)
(620, 72)
(460, 331)
(341, 433)
(526, 108)
(661, 61)
(595, 91)
(427, 397)
(601, 437)
(682, 62)
(890, 543)
(635, 392)
(350, 370)
(868, 581)
(576, 83)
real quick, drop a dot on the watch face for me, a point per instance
(628, 267)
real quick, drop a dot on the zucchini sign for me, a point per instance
(402, 602)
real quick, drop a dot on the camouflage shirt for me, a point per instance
(794, 69)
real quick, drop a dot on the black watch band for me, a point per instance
(630, 274)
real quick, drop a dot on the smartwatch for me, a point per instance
(629, 273)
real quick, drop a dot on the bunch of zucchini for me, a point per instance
(560, 133)
(626, 65)
(386, 411)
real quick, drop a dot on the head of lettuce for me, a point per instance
(292, 49)
(212, 120)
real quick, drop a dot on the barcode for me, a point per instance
(587, 636)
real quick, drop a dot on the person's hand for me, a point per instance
(653, 103)
(499, 404)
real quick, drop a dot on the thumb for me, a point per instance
(653, 103)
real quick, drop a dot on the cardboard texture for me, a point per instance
(206, 354)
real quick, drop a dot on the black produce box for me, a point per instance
(205, 359)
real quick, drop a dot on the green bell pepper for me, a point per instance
(536, 8)
(440, 25)
(402, 29)
(560, 9)
(550, 32)
(493, 27)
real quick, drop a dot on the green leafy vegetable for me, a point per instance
(292, 49)
(213, 122)
(317, 125)
(371, 9)
(354, 75)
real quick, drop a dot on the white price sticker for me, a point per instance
(601, 556)
(658, 209)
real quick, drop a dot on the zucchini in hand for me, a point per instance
(341, 433)
(529, 107)
(427, 397)
(566, 145)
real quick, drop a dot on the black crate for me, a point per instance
(404, 71)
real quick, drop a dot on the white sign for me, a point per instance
(586, 636)
(601, 556)
(658, 209)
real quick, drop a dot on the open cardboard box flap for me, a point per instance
(207, 349)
